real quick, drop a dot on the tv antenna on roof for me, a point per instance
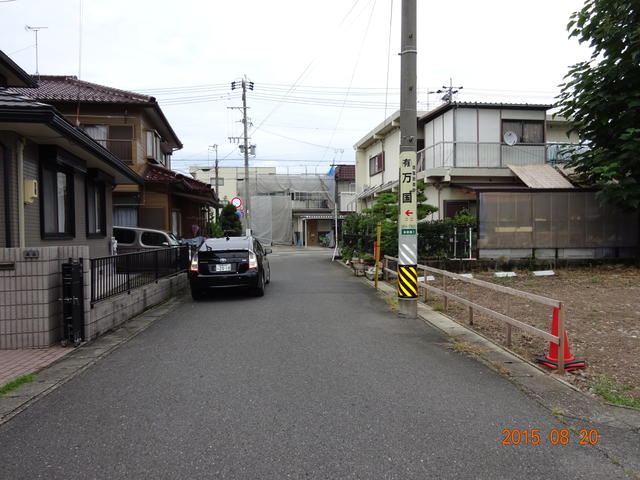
(35, 30)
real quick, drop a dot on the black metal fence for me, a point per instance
(437, 239)
(117, 274)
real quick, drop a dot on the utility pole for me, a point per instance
(245, 83)
(449, 91)
(215, 147)
(35, 30)
(407, 213)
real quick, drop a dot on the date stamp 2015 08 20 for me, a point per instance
(534, 436)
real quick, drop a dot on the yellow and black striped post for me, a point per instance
(407, 281)
(407, 186)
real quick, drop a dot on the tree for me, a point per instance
(229, 221)
(359, 230)
(215, 230)
(601, 96)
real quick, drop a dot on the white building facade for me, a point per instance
(460, 144)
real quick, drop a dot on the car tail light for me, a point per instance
(194, 264)
(253, 261)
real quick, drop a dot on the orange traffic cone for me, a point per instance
(551, 360)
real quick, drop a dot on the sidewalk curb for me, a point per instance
(547, 389)
(80, 359)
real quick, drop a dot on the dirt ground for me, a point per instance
(602, 318)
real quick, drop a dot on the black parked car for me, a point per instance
(227, 263)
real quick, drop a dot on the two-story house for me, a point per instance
(498, 162)
(56, 193)
(134, 128)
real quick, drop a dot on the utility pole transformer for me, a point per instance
(407, 191)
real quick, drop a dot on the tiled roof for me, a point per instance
(69, 88)
(345, 172)
(156, 173)
(60, 88)
(8, 99)
(17, 110)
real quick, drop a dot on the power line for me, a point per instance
(386, 93)
(320, 89)
(21, 50)
(295, 139)
(353, 74)
(328, 101)
(207, 161)
(304, 72)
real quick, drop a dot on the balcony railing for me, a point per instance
(310, 204)
(490, 154)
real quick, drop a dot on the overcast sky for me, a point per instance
(319, 68)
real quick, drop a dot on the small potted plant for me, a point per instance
(367, 259)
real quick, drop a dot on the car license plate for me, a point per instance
(225, 267)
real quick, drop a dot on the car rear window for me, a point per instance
(123, 235)
(234, 243)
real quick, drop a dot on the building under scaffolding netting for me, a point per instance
(293, 209)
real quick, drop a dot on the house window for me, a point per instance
(527, 131)
(96, 209)
(220, 183)
(176, 222)
(151, 144)
(153, 147)
(453, 207)
(57, 212)
(125, 216)
(120, 141)
(376, 164)
(98, 132)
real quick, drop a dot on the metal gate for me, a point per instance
(72, 303)
(461, 243)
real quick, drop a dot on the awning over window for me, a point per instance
(540, 176)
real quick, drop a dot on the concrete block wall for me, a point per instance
(30, 288)
(112, 312)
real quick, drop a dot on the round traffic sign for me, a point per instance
(236, 202)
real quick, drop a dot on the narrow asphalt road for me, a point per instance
(317, 379)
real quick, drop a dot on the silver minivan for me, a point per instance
(134, 239)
